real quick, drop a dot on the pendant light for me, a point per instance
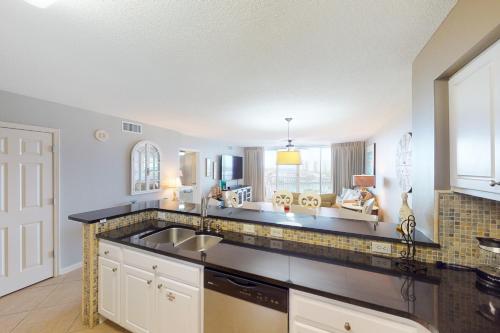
(290, 156)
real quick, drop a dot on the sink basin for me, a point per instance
(199, 243)
(170, 235)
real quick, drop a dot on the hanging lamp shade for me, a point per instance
(288, 156)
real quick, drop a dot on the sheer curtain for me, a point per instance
(347, 160)
(253, 172)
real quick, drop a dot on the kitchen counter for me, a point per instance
(441, 299)
(346, 227)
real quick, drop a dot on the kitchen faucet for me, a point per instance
(204, 214)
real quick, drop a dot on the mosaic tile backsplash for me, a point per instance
(461, 219)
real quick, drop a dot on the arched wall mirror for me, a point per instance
(145, 168)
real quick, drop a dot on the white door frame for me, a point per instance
(199, 190)
(56, 142)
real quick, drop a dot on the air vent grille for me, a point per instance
(131, 127)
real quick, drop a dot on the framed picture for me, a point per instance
(209, 170)
(370, 159)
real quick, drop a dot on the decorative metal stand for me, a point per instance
(406, 261)
(408, 293)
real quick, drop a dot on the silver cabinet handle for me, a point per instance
(106, 252)
(171, 297)
(160, 286)
(114, 269)
(494, 183)
(149, 282)
(347, 326)
(155, 267)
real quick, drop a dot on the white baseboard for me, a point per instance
(65, 270)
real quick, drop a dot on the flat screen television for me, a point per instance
(231, 167)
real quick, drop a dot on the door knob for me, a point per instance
(114, 269)
(347, 326)
(149, 282)
(494, 183)
(160, 286)
(106, 252)
(155, 267)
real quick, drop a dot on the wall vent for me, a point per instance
(129, 127)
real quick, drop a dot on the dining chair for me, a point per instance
(282, 198)
(368, 206)
(311, 200)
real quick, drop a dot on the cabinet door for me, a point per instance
(177, 307)
(137, 299)
(474, 103)
(109, 289)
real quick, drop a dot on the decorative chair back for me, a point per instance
(311, 200)
(282, 198)
(232, 199)
(368, 206)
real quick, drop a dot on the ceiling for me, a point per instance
(229, 70)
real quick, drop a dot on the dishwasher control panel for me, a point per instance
(249, 290)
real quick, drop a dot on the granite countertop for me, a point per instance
(347, 227)
(442, 299)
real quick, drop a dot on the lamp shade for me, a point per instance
(288, 157)
(363, 180)
(174, 182)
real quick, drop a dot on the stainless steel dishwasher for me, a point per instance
(238, 305)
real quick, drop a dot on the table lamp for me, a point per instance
(363, 181)
(174, 183)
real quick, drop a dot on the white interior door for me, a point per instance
(26, 208)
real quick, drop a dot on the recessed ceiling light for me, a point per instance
(40, 3)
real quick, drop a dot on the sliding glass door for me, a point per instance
(314, 175)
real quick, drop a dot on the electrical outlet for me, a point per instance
(384, 248)
(248, 229)
(161, 215)
(276, 233)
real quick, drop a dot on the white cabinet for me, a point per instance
(177, 307)
(315, 314)
(109, 289)
(147, 293)
(137, 306)
(474, 104)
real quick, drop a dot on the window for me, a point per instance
(314, 175)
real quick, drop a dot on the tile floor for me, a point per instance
(51, 306)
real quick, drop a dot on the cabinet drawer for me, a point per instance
(140, 260)
(331, 315)
(109, 251)
(169, 267)
(181, 272)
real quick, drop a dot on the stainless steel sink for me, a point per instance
(199, 243)
(170, 235)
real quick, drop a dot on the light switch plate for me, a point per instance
(248, 229)
(161, 215)
(379, 247)
(276, 233)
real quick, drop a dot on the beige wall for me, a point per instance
(470, 27)
(96, 175)
(387, 187)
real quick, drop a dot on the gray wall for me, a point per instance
(97, 175)
(470, 27)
